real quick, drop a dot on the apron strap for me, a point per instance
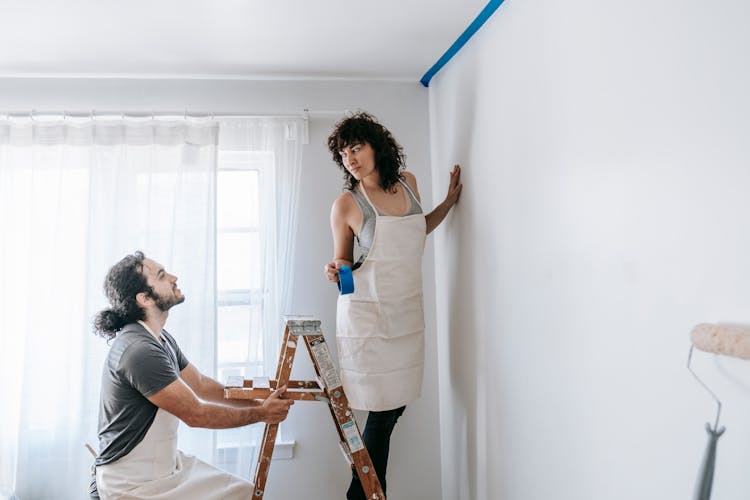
(414, 196)
(364, 193)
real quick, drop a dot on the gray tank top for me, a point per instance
(367, 231)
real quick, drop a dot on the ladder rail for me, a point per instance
(283, 372)
(345, 421)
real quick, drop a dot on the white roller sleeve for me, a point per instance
(722, 339)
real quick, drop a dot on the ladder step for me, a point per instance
(303, 325)
(242, 393)
(236, 381)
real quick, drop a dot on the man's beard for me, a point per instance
(166, 303)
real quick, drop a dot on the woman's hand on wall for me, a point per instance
(435, 217)
(454, 187)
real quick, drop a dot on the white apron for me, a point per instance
(380, 327)
(156, 469)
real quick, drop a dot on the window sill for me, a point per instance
(282, 450)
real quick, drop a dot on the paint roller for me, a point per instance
(728, 340)
(722, 339)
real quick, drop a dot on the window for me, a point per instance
(239, 279)
(239, 267)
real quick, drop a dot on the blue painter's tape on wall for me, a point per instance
(488, 10)
(346, 281)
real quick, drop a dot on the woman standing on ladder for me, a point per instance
(380, 327)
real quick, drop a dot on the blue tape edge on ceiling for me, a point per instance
(488, 10)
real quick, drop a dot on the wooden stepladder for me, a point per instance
(327, 389)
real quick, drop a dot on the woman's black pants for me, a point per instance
(377, 439)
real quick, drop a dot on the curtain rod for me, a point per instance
(305, 113)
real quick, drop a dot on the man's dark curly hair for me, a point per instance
(362, 128)
(124, 281)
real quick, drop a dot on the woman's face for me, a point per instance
(359, 160)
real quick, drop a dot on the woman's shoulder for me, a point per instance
(344, 202)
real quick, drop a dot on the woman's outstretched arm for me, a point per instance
(437, 215)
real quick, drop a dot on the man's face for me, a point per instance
(166, 293)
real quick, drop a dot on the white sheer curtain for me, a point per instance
(75, 197)
(283, 139)
(279, 141)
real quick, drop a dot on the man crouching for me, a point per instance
(148, 386)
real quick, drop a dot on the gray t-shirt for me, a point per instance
(137, 366)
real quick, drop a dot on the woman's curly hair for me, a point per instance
(124, 281)
(362, 128)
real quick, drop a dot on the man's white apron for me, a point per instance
(380, 327)
(156, 469)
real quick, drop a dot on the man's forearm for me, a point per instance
(213, 391)
(219, 416)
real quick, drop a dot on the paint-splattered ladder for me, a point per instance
(327, 388)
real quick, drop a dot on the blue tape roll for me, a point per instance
(346, 281)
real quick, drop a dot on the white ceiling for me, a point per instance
(377, 39)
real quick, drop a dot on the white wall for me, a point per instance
(318, 471)
(605, 213)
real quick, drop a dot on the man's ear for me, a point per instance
(143, 299)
